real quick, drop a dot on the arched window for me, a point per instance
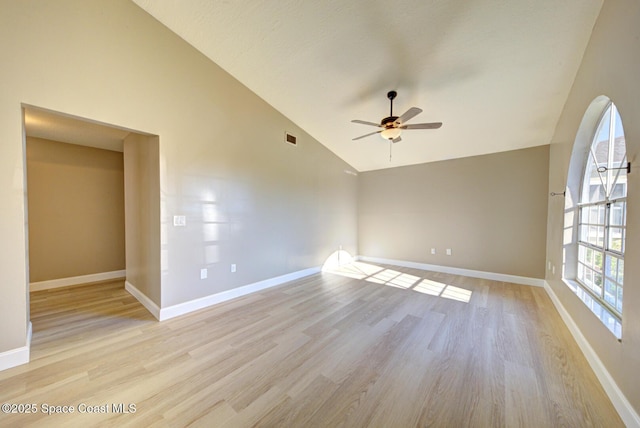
(601, 220)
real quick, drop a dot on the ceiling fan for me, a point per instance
(392, 126)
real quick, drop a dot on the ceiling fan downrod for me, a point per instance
(391, 95)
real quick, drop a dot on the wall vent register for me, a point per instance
(291, 139)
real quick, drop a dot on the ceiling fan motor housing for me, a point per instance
(389, 122)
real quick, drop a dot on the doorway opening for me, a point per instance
(91, 208)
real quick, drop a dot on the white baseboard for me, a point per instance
(17, 356)
(628, 414)
(75, 280)
(203, 302)
(142, 298)
(536, 282)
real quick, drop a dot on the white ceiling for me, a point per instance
(495, 72)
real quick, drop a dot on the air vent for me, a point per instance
(291, 139)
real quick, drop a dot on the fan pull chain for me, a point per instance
(390, 146)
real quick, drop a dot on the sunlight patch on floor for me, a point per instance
(394, 278)
(403, 281)
(428, 286)
(456, 293)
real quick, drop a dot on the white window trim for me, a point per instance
(575, 179)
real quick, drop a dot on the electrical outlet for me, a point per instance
(203, 273)
(448, 251)
(233, 267)
(433, 251)
(179, 220)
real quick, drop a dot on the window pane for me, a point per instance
(620, 188)
(610, 287)
(619, 300)
(593, 235)
(584, 233)
(592, 187)
(593, 215)
(610, 293)
(611, 267)
(620, 271)
(581, 272)
(597, 279)
(616, 217)
(584, 215)
(619, 146)
(619, 131)
(598, 290)
(593, 281)
(615, 239)
(601, 141)
(600, 238)
(598, 193)
(617, 158)
(597, 261)
(588, 277)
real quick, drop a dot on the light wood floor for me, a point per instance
(326, 351)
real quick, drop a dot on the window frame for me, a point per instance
(605, 251)
(601, 243)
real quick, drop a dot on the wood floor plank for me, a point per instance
(370, 345)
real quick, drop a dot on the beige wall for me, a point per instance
(76, 210)
(490, 210)
(249, 198)
(611, 66)
(142, 199)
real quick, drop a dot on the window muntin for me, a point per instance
(602, 214)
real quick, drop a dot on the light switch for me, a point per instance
(179, 220)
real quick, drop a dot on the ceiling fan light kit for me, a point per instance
(392, 126)
(390, 133)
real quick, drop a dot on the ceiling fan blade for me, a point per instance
(397, 139)
(408, 115)
(434, 125)
(364, 122)
(366, 135)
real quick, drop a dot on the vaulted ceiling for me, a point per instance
(495, 72)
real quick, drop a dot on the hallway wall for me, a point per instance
(76, 210)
